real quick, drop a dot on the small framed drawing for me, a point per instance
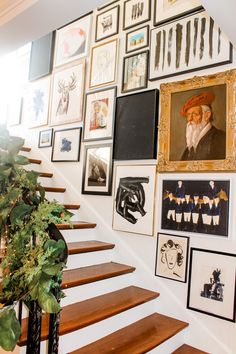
(107, 23)
(136, 12)
(103, 64)
(99, 114)
(66, 145)
(45, 138)
(67, 93)
(72, 41)
(168, 10)
(135, 72)
(137, 39)
(97, 171)
(211, 288)
(106, 4)
(172, 257)
(14, 111)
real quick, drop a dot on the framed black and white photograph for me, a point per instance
(137, 39)
(211, 289)
(45, 138)
(136, 12)
(97, 170)
(66, 145)
(99, 114)
(172, 257)
(134, 199)
(107, 23)
(191, 43)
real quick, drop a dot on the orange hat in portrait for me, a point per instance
(204, 98)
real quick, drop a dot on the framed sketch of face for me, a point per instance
(107, 23)
(136, 12)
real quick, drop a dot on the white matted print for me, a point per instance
(137, 39)
(134, 199)
(136, 12)
(45, 138)
(66, 145)
(67, 93)
(107, 23)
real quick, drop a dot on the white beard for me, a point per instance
(193, 132)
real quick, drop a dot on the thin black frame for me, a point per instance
(79, 144)
(186, 261)
(117, 23)
(113, 114)
(137, 23)
(110, 169)
(134, 30)
(146, 72)
(192, 249)
(50, 143)
(106, 5)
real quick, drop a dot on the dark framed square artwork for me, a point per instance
(45, 138)
(136, 12)
(107, 23)
(66, 145)
(136, 126)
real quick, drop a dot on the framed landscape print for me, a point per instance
(136, 12)
(45, 138)
(187, 44)
(67, 93)
(134, 199)
(135, 72)
(211, 287)
(99, 114)
(137, 39)
(198, 145)
(107, 23)
(72, 41)
(103, 64)
(172, 257)
(66, 145)
(168, 10)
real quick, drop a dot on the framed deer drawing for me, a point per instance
(67, 91)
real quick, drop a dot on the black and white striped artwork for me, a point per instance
(187, 44)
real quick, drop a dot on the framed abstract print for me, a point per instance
(137, 39)
(67, 93)
(134, 199)
(45, 138)
(72, 41)
(136, 12)
(97, 171)
(99, 114)
(107, 23)
(135, 72)
(103, 64)
(211, 288)
(205, 143)
(191, 43)
(172, 257)
(66, 145)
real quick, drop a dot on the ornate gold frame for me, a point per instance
(229, 163)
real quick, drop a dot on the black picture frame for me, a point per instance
(212, 270)
(117, 7)
(141, 47)
(125, 26)
(57, 149)
(136, 136)
(44, 145)
(99, 8)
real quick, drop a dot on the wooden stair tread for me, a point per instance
(87, 312)
(46, 174)
(88, 246)
(35, 161)
(72, 206)
(26, 149)
(54, 189)
(89, 274)
(76, 225)
(137, 338)
(187, 349)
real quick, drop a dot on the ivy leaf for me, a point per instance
(53, 269)
(48, 302)
(57, 247)
(21, 160)
(19, 212)
(9, 328)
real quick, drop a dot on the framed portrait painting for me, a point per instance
(45, 138)
(211, 288)
(137, 39)
(203, 110)
(66, 145)
(136, 12)
(97, 170)
(107, 23)
(172, 257)
(99, 114)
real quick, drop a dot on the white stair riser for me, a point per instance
(79, 235)
(89, 258)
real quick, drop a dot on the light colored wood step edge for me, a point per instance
(35, 161)
(71, 206)
(76, 225)
(187, 349)
(26, 149)
(90, 274)
(137, 338)
(88, 246)
(85, 313)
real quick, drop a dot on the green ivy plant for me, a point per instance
(30, 270)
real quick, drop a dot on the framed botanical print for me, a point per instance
(136, 12)
(45, 138)
(99, 114)
(67, 93)
(203, 143)
(107, 23)
(66, 145)
(137, 39)
(211, 289)
(103, 64)
(172, 257)
(72, 41)
(97, 171)
(191, 43)
(135, 72)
